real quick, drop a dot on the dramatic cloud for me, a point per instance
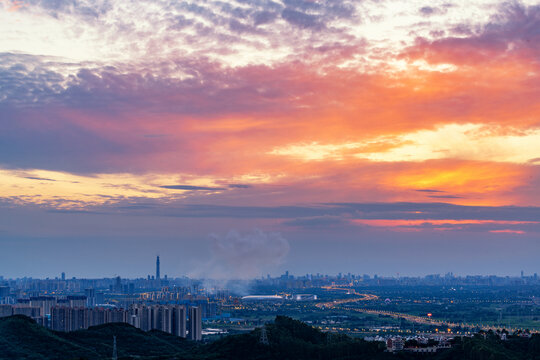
(512, 34)
(296, 115)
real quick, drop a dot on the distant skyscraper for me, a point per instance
(160, 317)
(195, 323)
(90, 297)
(63, 276)
(77, 301)
(45, 303)
(157, 268)
(118, 284)
(4, 292)
(179, 320)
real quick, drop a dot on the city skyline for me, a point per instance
(338, 275)
(239, 138)
(277, 275)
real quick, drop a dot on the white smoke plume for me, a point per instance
(244, 256)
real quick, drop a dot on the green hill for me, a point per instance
(292, 339)
(22, 338)
(130, 341)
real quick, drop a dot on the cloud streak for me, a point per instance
(191, 187)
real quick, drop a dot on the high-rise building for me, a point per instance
(4, 292)
(118, 284)
(167, 318)
(30, 311)
(69, 319)
(59, 318)
(157, 317)
(90, 297)
(179, 321)
(100, 298)
(157, 268)
(77, 301)
(63, 276)
(140, 317)
(195, 323)
(43, 302)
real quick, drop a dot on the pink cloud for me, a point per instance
(507, 231)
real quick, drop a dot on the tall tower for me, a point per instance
(157, 268)
(114, 352)
(264, 337)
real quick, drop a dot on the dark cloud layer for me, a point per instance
(512, 33)
(330, 212)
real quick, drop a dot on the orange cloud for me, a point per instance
(461, 182)
(305, 131)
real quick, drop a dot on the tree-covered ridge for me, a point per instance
(22, 338)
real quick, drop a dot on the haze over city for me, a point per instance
(242, 138)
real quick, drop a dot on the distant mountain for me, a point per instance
(22, 338)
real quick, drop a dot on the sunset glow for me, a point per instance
(136, 109)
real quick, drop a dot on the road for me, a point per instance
(349, 291)
(429, 321)
(425, 320)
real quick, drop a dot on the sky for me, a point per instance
(237, 138)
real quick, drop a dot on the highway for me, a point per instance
(349, 291)
(425, 320)
(430, 321)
